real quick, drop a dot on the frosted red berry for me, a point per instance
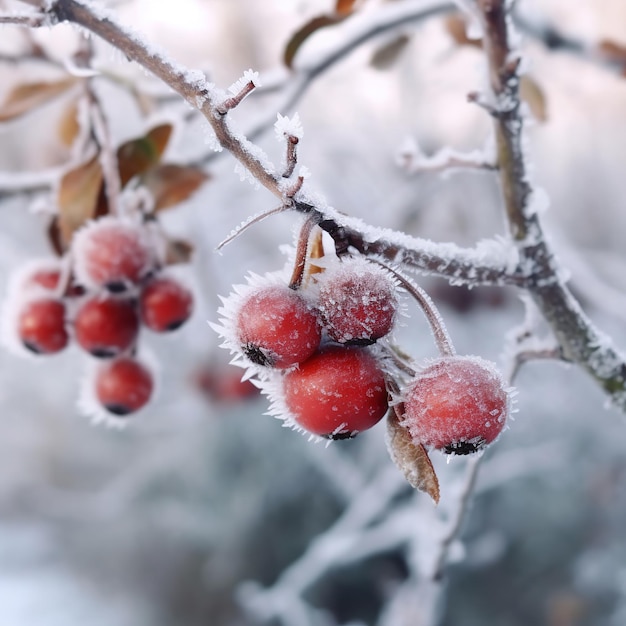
(276, 327)
(106, 326)
(457, 404)
(123, 386)
(357, 302)
(111, 253)
(336, 393)
(41, 326)
(165, 304)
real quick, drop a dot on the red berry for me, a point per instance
(165, 305)
(123, 386)
(111, 253)
(41, 326)
(357, 302)
(48, 278)
(106, 326)
(337, 393)
(457, 404)
(276, 327)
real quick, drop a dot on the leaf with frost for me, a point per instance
(172, 184)
(411, 459)
(78, 194)
(26, 97)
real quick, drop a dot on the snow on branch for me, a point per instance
(530, 264)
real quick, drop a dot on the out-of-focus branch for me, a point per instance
(555, 40)
(580, 341)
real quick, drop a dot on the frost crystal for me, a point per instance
(288, 127)
(249, 76)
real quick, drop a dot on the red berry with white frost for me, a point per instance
(106, 326)
(111, 253)
(276, 327)
(165, 304)
(337, 393)
(357, 302)
(41, 326)
(123, 386)
(457, 404)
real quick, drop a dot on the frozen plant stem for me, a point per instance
(580, 341)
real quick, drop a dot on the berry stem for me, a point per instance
(440, 332)
(301, 255)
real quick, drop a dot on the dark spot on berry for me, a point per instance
(104, 353)
(465, 447)
(33, 347)
(339, 436)
(174, 325)
(117, 409)
(258, 356)
(360, 341)
(116, 286)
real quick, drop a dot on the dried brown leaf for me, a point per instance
(535, 98)
(138, 155)
(171, 184)
(178, 251)
(303, 33)
(78, 195)
(69, 126)
(26, 97)
(411, 459)
(456, 26)
(613, 52)
(344, 7)
(385, 56)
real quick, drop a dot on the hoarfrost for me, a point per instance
(288, 127)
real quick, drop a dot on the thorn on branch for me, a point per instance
(476, 97)
(231, 103)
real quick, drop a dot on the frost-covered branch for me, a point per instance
(488, 263)
(580, 341)
(535, 267)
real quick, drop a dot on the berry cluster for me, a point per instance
(308, 345)
(99, 295)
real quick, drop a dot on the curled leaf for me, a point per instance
(138, 155)
(26, 97)
(303, 33)
(78, 195)
(171, 184)
(412, 460)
